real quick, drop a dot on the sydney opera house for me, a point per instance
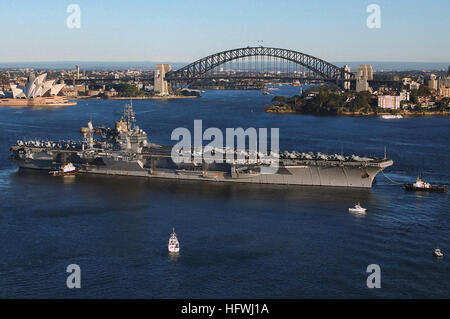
(37, 92)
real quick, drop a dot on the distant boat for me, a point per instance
(66, 170)
(390, 117)
(174, 245)
(438, 253)
(422, 186)
(357, 209)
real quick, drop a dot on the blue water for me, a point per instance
(237, 241)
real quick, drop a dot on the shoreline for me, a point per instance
(168, 97)
(406, 114)
(38, 102)
(424, 114)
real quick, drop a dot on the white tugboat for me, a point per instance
(357, 209)
(437, 253)
(174, 245)
(66, 170)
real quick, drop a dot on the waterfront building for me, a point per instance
(444, 81)
(111, 93)
(36, 87)
(36, 92)
(432, 82)
(392, 101)
(69, 91)
(94, 92)
(388, 102)
(444, 91)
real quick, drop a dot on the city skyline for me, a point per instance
(183, 31)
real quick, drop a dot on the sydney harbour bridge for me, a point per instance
(249, 63)
(263, 63)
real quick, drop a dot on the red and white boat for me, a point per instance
(66, 170)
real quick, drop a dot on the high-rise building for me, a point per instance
(448, 71)
(78, 72)
(432, 82)
(444, 81)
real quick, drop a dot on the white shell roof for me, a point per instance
(36, 88)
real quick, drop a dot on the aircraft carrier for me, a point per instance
(125, 150)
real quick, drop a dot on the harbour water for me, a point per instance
(237, 241)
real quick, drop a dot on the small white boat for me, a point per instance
(66, 170)
(438, 253)
(357, 209)
(390, 117)
(174, 245)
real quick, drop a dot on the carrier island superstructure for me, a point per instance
(125, 150)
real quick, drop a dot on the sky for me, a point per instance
(186, 30)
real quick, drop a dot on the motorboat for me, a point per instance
(357, 209)
(437, 253)
(391, 116)
(174, 245)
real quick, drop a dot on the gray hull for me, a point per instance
(323, 174)
(305, 175)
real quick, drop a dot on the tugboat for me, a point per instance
(66, 170)
(437, 253)
(174, 245)
(422, 186)
(357, 209)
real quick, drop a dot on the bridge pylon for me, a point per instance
(161, 86)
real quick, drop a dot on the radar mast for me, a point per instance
(128, 115)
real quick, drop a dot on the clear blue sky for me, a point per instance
(184, 30)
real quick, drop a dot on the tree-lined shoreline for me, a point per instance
(327, 102)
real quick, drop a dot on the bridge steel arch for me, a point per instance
(197, 69)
